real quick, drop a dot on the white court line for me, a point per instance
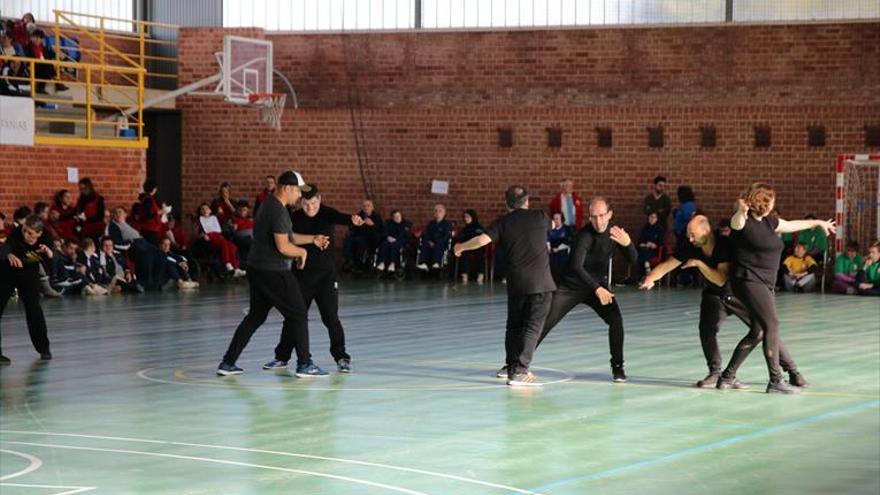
(71, 490)
(35, 463)
(219, 383)
(228, 463)
(286, 454)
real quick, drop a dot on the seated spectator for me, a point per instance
(434, 242)
(223, 206)
(651, 239)
(62, 215)
(267, 191)
(9, 68)
(23, 28)
(41, 210)
(396, 237)
(801, 270)
(177, 271)
(472, 262)
(363, 240)
(20, 215)
(177, 235)
(4, 229)
(149, 215)
(243, 229)
(869, 277)
(209, 226)
(146, 257)
(846, 269)
(559, 244)
(42, 72)
(91, 261)
(90, 210)
(68, 276)
(814, 240)
(113, 273)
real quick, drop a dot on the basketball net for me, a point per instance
(271, 107)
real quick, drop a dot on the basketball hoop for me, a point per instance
(271, 107)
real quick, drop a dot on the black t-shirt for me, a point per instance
(27, 253)
(319, 262)
(521, 236)
(272, 219)
(590, 253)
(757, 250)
(721, 253)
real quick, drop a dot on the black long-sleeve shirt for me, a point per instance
(319, 262)
(590, 254)
(28, 253)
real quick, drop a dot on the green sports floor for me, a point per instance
(130, 404)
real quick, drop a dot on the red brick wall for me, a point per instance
(430, 104)
(28, 175)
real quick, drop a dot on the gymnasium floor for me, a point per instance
(130, 405)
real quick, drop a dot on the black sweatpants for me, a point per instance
(760, 303)
(27, 281)
(566, 300)
(525, 319)
(324, 290)
(278, 289)
(714, 309)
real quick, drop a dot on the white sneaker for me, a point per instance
(435, 266)
(238, 273)
(390, 267)
(229, 267)
(380, 267)
(89, 291)
(422, 266)
(464, 278)
(480, 278)
(99, 291)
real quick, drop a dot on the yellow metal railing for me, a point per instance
(129, 49)
(96, 99)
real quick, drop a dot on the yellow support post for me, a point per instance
(142, 36)
(33, 80)
(88, 103)
(57, 37)
(140, 120)
(101, 45)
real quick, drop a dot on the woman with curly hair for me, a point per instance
(757, 248)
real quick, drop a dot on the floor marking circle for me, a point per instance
(35, 463)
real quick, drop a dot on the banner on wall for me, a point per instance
(16, 121)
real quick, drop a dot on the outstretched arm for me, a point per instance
(658, 272)
(475, 243)
(790, 226)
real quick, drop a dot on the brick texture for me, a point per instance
(427, 106)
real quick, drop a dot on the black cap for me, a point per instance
(293, 178)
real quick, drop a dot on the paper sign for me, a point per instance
(439, 187)
(72, 175)
(16, 121)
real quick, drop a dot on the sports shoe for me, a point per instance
(435, 266)
(275, 364)
(238, 273)
(4, 360)
(730, 383)
(89, 290)
(782, 387)
(309, 370)
(502, 373)
(45, 356)
(523, 380)
(229, 267)
(711, 380)
(480, 278)
(797, 379)
(617, 374)
(226, 369)
(380, 267)
(390, 267)
(343, 365)
(422, 266)
(464, 278)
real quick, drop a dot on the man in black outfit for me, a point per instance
(522, 236)
(20, 259)
(272, 283)
(586, 279)
(712, 255)
(318, 281)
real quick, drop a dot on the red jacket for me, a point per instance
(556, 207)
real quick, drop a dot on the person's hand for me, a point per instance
(45, 251)
(692, 263)
(646, 284)
(391, 240)
(357, 221)
(81, 217)
(301, 260)
(81, 269)
(369, 221)
(829, 226)
(866, 286)
(457, 250)
(14, 262)
(620, 236)
(605, 296)
(183, 266)
(321, 241)
(650, 245)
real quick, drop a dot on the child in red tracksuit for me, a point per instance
(213, 233)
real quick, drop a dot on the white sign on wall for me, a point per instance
(439, 187)
(73, 175)
(16, 121)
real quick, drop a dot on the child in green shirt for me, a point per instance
(846, 269)
(869, 277)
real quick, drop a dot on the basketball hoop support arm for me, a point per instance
(174, 94)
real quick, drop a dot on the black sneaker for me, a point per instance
(730, 383)
(797, 379)
(45, 356)
(711, 380)
(523, 380)
(226, 369)
(782, 387)
(502, 372)
(617, 374)
(344, 365)
(4, 360)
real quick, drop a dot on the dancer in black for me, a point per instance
(521, 235)
(713, 255)
(757, 248)
(20, 259)
(318, 280)
(273, 285)
(586, 279)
